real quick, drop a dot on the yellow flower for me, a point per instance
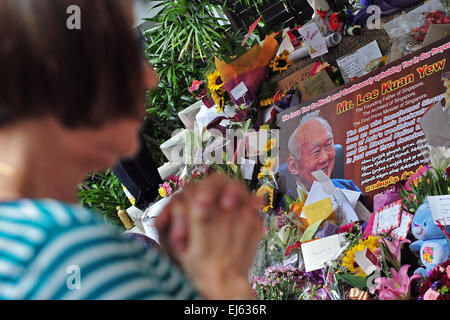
(297, 207)
(281, 62)
(266, 102)
(266, 193)
(350, 263)
(271, 143)
(220, 102)
(371, 243)
(162, 192)
(268, 168)
(215, 81)
(219, 93)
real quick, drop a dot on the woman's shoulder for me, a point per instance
(47, 238)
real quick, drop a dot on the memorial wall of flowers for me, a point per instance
(396, 248)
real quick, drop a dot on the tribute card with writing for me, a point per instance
(318, 252)
(314, 40)
(389, 217)
(440, 208)
(401, 232)
(320, 210)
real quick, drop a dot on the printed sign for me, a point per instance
(369, 130)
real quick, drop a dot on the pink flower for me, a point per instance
(431, 295)
(448, 271)
(397, 287)
(195, 85)
(394, 247)
(168, 188)
(347, 228)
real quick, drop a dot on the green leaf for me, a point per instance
(352, 280)
(311, 231)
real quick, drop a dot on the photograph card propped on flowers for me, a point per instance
(387, 218)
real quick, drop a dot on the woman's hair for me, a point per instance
(83, 77)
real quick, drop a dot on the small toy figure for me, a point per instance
(432, 244)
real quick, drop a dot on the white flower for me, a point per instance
(439, 157)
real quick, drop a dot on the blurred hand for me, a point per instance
(212, 229)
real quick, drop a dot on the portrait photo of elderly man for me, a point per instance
(312, 148)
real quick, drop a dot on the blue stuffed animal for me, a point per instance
(432, 244)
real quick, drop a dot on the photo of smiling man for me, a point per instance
(311, 148)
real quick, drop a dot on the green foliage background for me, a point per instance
(181, 48)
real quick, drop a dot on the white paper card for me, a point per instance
(364, 262)
(239, 91)
(369, 52)
(317, 193)
(206, 115)
(314, 40)
(247, 168)
(351, 66)
(354, 64)
(291, 260)
(389, 217)
(440, 208)
(401, 232)
(363, 213)
(318, 252)
(345, 212)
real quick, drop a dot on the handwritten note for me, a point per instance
(318, 84)
(354, 64)
(318, 252)
(440, 208)
(320, 210)
(314, 40)
(345, 211)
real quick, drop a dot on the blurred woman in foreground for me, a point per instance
(71, 102)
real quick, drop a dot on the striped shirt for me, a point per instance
(55, 251)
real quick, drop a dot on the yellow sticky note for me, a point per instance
(320, 210)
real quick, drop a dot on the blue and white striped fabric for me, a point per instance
(44, 243)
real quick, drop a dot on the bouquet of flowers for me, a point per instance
(279, 283)
(437, 285)
(170, 186)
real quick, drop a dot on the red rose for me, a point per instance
(447, 172)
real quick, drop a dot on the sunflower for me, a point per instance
(268, 168)
(281, 62)
(271, 143)
(220, 104)
(371, 243)
(266, 192)
(349, 260)
(218, 94)
(215, 81)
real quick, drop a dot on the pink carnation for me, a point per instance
(168, 188)
(195, 85)
(448, 271)
(431, 295)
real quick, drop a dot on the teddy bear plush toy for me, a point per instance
(432, 244)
